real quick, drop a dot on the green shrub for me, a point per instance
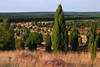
(19, 26)
(48, 42)
(13, 26)
(33, 39)
(38, 29)
(25, 33)
(7, 40)
(19, 44)
(18, 33)
(1, 46)
(73, 40)
(80, 41)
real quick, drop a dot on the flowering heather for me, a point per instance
(25, 58)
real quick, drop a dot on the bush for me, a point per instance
(38, 29)
(1, 46)
(19, 26)
(25, 33)
(33, 39)
(7, 40)
(93, 41)
(19, 44)
(73, 40)
(13, 26)
(80, 41)
(48, 42)
(18, 33)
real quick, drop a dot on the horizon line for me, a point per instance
(46, 11)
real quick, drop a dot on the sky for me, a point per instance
(49, 5)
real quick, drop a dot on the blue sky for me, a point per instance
(48, 5)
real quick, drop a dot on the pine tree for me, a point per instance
(59, 36)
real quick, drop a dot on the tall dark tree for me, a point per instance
(59, 36)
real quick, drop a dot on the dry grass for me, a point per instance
(43, 59)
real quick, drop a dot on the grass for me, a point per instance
(27, 58)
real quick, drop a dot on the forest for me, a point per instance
(48, 16)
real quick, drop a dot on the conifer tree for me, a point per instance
(33, 40)
(93, 40)
(7, 40)
(73, 40)
(59, 36)
(48, 42)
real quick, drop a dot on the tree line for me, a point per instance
(48, 17)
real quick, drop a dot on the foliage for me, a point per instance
(13, 26)
(7, 41)
(33, 39)
(18, 32)
(98, 44)
(73, 40)
(47, 16)
(19, 44)
(26, 33)
(48, 42)
(93, 40)
(80, 41)
(38, 29)
(59, 36)
(19, 26)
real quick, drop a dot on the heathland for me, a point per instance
(50, 39)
